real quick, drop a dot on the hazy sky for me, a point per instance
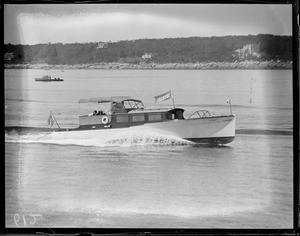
(69, 23)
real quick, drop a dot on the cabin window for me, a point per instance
(122, 119)
(138, 118)
(154, 117)
(168, 116)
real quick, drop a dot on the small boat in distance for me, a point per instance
(124, 115)
(47, 78)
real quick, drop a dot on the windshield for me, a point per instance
(133, 104)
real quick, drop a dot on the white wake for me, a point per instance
(123, 139)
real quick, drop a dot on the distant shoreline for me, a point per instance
(166, 66)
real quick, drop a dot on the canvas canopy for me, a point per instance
(117, 99)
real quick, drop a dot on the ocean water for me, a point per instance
(150, 180)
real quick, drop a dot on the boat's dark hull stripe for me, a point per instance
(218, 140)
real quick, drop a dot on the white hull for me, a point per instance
(217, 130)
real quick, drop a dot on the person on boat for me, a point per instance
(118, 108)
(93, 113)
(100, 113)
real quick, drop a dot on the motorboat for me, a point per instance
(125, 115)
(47, 78)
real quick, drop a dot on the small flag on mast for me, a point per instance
(163, 97)
(50, 120)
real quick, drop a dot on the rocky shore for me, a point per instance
(166, 66)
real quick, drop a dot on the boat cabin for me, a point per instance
(124, 112)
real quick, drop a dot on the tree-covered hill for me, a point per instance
(168, 50)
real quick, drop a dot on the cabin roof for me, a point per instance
(155, 110)
(117, 99)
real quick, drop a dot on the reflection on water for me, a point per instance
(157, 180)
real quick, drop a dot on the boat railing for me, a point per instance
(200, 114)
